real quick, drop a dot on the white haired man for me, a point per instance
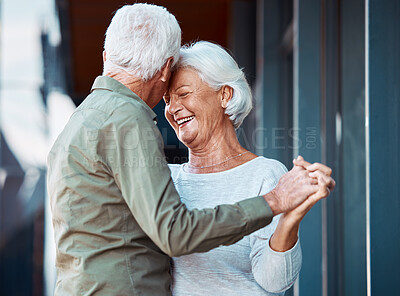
(116, 215)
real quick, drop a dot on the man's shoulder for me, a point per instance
(98, 112)
(104, 108)
(109, 102)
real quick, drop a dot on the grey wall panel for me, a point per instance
(384, 124)
(308, 90)
(353, 165)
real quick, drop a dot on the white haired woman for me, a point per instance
(207, 99)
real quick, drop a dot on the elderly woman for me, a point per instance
(208, 99)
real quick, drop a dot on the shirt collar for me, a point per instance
(108, 83)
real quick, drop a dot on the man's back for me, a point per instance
(101, 248)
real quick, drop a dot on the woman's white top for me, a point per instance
(248, 267)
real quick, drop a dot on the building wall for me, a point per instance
(345, 106)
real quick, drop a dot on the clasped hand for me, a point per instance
(299, 189)
(296, 193)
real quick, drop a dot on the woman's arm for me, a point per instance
(285, 235)
(277, 265)
(275, 271)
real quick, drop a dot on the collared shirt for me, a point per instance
(116, 214)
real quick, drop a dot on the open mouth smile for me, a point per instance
(181, 121)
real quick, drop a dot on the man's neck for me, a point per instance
(144, 89)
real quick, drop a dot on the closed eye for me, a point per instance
(185, 94)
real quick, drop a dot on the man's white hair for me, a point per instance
(217, 68)
(140, 39)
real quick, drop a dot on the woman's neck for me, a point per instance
(221, 152)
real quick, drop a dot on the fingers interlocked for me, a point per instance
(319, 173)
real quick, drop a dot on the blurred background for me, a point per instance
(326, 82)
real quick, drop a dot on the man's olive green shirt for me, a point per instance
(116, 215)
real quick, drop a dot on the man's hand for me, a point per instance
(319, 171)
(326, 185)
(293, 189)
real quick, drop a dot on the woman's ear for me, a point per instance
(226, 95)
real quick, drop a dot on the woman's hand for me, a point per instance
(285, 236)
(325, 182)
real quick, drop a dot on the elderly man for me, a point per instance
(116, 214)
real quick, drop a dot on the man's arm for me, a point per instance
(144, 179)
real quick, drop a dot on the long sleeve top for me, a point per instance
(248, 267)
(116, 214)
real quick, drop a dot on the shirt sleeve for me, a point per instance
(274, 271)
(136, 160)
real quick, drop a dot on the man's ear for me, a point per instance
(104, 56)
(226, 95)
(166, 70)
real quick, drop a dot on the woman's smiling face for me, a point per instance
(193, 108)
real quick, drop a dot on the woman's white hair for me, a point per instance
(140, 39)
(217, 68)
